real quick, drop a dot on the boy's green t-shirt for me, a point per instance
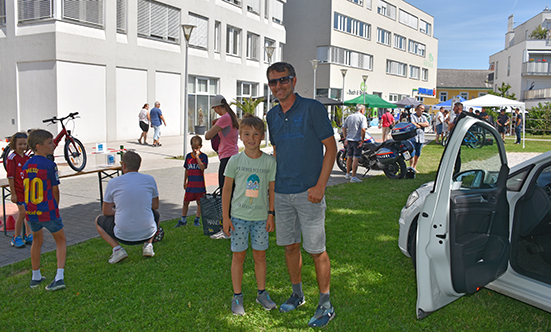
(251, 177)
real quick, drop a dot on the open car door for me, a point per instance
(463, 231)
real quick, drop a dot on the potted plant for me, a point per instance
(200, 128)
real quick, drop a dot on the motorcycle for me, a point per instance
(389, 156)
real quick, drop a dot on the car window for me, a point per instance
(479, 161)
(516, 180)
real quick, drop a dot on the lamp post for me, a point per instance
(269, 52)
(364, 77)
(187, 29)
(314, 66)
(343, 72)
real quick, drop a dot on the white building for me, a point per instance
(106, 58)
(391, 41)
(524, 62)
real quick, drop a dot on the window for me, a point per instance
(393, 97)
(408, 19)
(383, 36)
(253, 6)
(396, 68)
(337, 55)
(233, 41)
(386, 9)
(158, 21)
(425, 27)
(199, 36)
(266, 8)
(269, 43)
(352, 26)
(252, 46)
(29, 10)
(84, 11)
(425, 74)
(277, 12)
(443, 95)
(416, 48)
(414, 72)
(245, 90)
(359, 2)
(200, 92)
(280, 49)
(497, 66)
(508, 66)
(235, 2)
(121, 16)
(399, 42)
(464, 95)
(217, 36)
(2, 13)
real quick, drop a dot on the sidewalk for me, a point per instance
(79, 196)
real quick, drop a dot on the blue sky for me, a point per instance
(469, 31)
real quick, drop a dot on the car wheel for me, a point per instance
(412, 241)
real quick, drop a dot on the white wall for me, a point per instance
(131, 96)
(36, 92)
(167, 92)
(82, 88)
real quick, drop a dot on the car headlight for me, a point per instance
(412, 198)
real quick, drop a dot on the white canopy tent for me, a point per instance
(496, 101)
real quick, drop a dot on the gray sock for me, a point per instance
(324, 300)
(297, 289)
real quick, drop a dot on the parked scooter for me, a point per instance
(389, 156)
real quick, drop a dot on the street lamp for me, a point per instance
(269, 52)
(187, 28)
(343, 72)
(364, 77)
(314, 66)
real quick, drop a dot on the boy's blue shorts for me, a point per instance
(240, 236)
(53, 226)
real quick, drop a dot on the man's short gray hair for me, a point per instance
(359, 107)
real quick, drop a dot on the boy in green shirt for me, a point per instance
(252, 209)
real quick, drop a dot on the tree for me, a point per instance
(248, 105)
(539, 33)
(503, 91)
(539, 121)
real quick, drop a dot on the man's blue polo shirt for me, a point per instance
(155, 115)
(297, 136)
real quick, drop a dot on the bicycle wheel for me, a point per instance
(341, 160)
(480, 138)
(5, 154)
(75, 154)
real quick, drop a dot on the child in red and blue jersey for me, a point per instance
(14, 166)
(194, 180)
(41, 182)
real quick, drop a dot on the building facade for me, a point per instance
(524, 62)
(391, 41)
(107, 58)
(467, 83)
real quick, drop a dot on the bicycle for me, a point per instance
(74, 151)
(474, 140)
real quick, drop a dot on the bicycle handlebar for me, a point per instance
(55, 119)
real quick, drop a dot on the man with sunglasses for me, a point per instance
(300, 130)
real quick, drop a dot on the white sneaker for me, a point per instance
(355, 180)
(219, 235)
(118, 256)
(348, 176)
(148, 250)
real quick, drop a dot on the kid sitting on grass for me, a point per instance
(252, 209)
(41, 202)
(15, 162)
(194, 180)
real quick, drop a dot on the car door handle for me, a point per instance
(474, 198)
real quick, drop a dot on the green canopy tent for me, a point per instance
(370, 101)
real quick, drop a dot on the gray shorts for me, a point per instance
(295, 215)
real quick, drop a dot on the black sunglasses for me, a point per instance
(281, 80)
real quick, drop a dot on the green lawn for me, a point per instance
(187, 285)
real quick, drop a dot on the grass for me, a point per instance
(187, 285)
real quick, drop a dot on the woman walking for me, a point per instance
(144, 123)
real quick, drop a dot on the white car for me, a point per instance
(480, 224)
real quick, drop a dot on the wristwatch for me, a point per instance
(272, 212)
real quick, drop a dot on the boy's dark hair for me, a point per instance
(38, 136)
(281, 67)
(132, 160)
(13, 139)
(197, 139)
(252, 121)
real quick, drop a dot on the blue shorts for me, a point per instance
(296, 216)
(417, 149)
(439, 129)
(21, 203)
(240, 236)
(353, 149)
(53, 226)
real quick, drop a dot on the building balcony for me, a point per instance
(536, 68)
(537, 94)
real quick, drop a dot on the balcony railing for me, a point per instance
(537, 94)
(536, 68)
